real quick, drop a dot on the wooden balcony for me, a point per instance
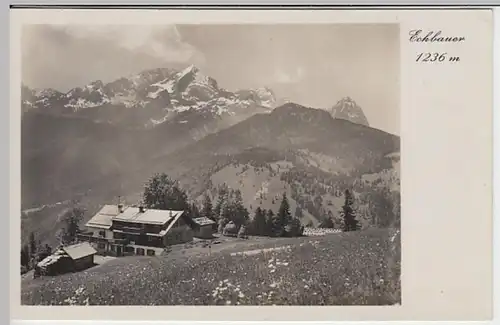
(97, 239)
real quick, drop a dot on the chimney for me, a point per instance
(141, 209)
(120, 205)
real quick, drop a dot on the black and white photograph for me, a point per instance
(210, 164)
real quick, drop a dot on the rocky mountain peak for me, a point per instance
(348, 109)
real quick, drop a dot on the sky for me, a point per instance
(313, 65)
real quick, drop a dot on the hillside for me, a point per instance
(294, 149)
(294, 271)
(72, 140)
(313, 161)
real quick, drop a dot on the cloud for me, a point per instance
(74, 55)
(283, 77)
(161, 41)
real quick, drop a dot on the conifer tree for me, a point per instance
(225, 212)
(295, 228)
(350, 221)
(207, 209)
(284, 216)
(259, 224)
(223, 195)
(239, 212)
(33, 247)
(72, 219)
(25, 256)
(271, 222)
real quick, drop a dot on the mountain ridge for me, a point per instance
(153, 96)
(148, 98)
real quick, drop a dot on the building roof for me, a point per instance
(203, 221)
(165, 231)
(103, 218)
(149, 216)
(80, 250)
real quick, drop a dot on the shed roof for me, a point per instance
(80, 250)
(203, 221)
(149, 216)
(103, 218)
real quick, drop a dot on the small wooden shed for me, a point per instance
(205, 227)
(82, 255)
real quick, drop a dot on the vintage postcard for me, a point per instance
(251, 165)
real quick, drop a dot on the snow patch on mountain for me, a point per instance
(152, 91)
(49, 92)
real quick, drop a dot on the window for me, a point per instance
(102, 233)
(101, 246)
(129, 249)
(150, 238)
(151, 252)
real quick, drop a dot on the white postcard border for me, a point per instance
(425, 300)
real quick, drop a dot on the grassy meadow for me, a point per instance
(357, 268)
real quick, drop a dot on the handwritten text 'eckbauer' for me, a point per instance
(418, 35)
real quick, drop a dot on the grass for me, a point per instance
(359, 268)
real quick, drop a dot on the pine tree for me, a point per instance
(259, 223)
(239, 212)
(284, 216)
(223, 195)
(270, 221)
(225, 212)
(350, 222)
(276, 226)
(207, 209)
(71, 219)
(295, 228)
(220, 226)
(25, 256)
(194, 211)
(33, 247)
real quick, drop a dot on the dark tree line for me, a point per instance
(348, 214)
(32, 253)
(227, 210)
(282, 224)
